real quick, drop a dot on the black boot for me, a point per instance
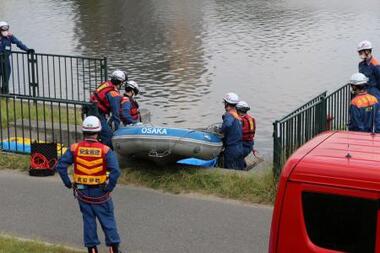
(92, 249)
(115, 248)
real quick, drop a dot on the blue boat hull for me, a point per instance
(165, 145)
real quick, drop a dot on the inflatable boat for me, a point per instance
(164, 145)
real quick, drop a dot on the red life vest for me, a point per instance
(89, 162)
(135, 113)
(99, 96)
(249, 127)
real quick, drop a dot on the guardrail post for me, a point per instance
(32, 67)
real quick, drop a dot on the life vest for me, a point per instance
(135, 112)
(99, 96)
(248, 127)
(364, 100)
(89, 162)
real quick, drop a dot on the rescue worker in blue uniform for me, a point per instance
(107, 99)
(248, 127)
(6, 41)
(364, 108)
(370, 67)
(92, 160)
(232, 131)
(129, 111)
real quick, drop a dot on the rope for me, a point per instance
(90, 200)
(39, 162)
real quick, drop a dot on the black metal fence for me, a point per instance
(25, 119)
(51, 75)
(42, 97)
(317, 115)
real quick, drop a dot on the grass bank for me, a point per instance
(15, 245)
(253, 187)
(15, 109)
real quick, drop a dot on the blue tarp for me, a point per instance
(15, 147)
(198, 162)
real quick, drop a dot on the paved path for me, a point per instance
(149, 221)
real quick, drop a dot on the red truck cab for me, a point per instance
(328, 196)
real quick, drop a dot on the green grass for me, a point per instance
(13, 161)
(14, 245)
(253, 187)
(13, 110)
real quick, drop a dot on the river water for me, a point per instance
(276, 54)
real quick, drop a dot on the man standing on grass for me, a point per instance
(92, 160)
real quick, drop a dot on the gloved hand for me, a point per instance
(30, 51)
(107, 188)
(111, 124)
(69, 186)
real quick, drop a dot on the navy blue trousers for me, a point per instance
(104, 213)
(233, 157)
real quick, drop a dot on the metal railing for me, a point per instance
(25, 119)
(51, 75)
(317, 115)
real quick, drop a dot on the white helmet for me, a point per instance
(364, 45)
(4, 26)
(133, 85)
(118, 75)
(242, 105)
(231, 98)
(358, 79)
(91, 124)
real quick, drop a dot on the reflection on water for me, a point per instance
(188, 54)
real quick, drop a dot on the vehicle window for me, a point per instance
(340, 223)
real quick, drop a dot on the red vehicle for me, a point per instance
(328, 196)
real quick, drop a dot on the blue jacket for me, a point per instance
(232, 129)
(364, 113)
(67, 159)
(114, 101)
(371, 69)
(6, 43)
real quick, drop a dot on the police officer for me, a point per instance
(6, 41)
(370, 67)
(107, 99)
(364, 108)
(92, 160)
(129, 111)
(248, 127)
(232, 130)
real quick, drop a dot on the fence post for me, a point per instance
(276, 150)
(323, 115)
(2, 71)
(32, 63)
(104, 69)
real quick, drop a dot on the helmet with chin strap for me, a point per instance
(132, 85)
(4, 26)
(231, 98)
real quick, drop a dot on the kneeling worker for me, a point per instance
(248, 126)
(232, 130)
(364, 108)
(92, 160)
(129, 109)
